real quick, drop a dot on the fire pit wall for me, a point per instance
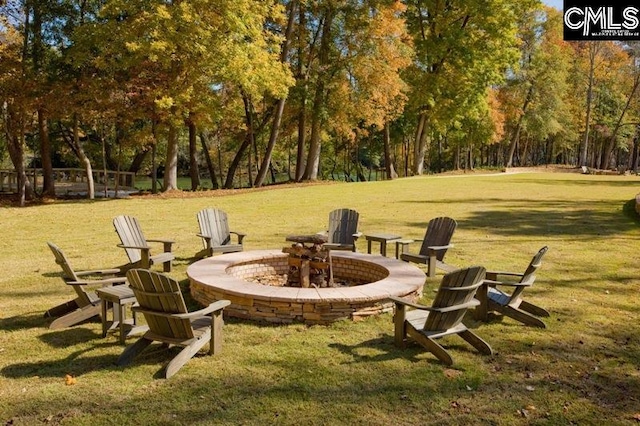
(353, 270)
(225, 277)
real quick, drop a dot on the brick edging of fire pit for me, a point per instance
(221, 277)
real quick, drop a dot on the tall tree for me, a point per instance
(174, 56)
(462, 47)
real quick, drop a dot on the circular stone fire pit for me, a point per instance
(227, 277)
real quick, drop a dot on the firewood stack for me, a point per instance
(309, 261)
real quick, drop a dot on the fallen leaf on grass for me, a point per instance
(452, 374)
(69, 380)
(530, 388)
(637, 417)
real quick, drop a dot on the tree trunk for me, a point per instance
(138, 160)
(388, 161)
(516, 137)
(91, 190)
(277, 119)
(48, 183)
(14, 130)
(170, 181)
(420, 145)
(612, 140)
(154, 164)
(302, 78)
(247, 143)
(313, 157)
(194, 172)
(593, 51)
(634, 151)
(204, 141)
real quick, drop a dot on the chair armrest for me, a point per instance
(493, 275)
(133, 247)
(357, 235)
(494, 283)
(99, 272)
(437, 248)
(400, 301)
(166, 244)
(467, 305)
(160, 240)
(107, 281)
(240, 235)
(215, 306)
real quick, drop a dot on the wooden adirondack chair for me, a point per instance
(137, 246)
(215, 233)
(424, 324)
(512, 304)
(343, 230)
(163, 307)
(436, 242)
(87, 304)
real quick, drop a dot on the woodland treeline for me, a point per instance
(250, 92)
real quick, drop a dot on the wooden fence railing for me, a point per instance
(9, 178)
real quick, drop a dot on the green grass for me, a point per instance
(583, 369)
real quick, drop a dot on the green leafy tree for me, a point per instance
(462, 48)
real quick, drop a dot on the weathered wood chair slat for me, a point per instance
(160, 301)
(436, 242)
(87, 303)
(215, 233)
(137, 246)
(343, 232)
(444, 317)
(512, 304)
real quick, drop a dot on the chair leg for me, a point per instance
(217, 322)
(433, 347)
(400, 330)
(76, 317)
(533, 309)
(475, 341)
(522, 316)
(133, 350)
(186, 354)
(62, 309)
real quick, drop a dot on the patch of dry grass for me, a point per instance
(583, 369)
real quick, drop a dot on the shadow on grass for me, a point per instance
(541, 218)
(75, 364)
(69, 337)
(589, 182)
(22, 322)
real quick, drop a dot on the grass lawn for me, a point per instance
(583, 369)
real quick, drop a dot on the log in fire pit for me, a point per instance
(309, 261)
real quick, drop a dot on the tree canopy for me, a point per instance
(306, 89)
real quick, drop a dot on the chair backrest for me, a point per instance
(529, 275)
(130, 234)
(158, 295)
(343, 223)
(457, 289)
(439, 233)
(214, 224)
(68, 274)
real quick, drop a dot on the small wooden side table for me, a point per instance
(118, 296)
(383, 239)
